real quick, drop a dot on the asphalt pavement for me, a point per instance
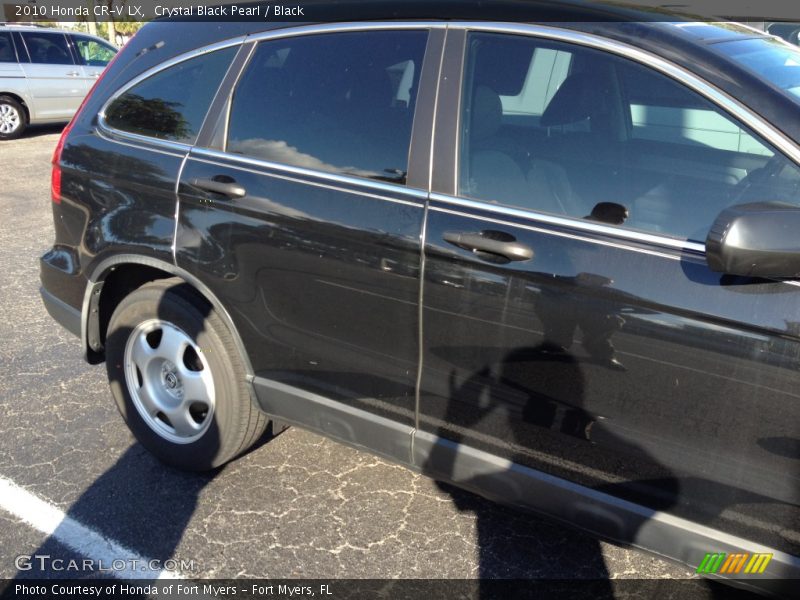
(297, 506)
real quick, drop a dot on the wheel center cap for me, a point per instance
(170, 379)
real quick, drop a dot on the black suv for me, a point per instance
(552, 263)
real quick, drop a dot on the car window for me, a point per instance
(7, 53)
(172, 104)
(568, 130)
(342, 103)
(94, 53)
(787, 31)
(47, 48)
(774, 60)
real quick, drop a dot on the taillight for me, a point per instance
(55, 175)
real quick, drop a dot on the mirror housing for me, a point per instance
(761, 239)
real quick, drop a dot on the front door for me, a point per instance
(570, 321)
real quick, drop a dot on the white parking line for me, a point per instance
(101, 550)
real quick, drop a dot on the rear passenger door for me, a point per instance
(55, 82)
(304, 216)
(570, 321)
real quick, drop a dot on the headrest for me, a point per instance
(487, 112)
(576, 99)
(502, 63)
(370, 88)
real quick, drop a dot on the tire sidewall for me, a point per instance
(210, 450)
(23, 121)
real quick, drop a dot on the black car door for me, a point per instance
(304, 215)
(571, 323)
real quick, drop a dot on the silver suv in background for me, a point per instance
(45, 74)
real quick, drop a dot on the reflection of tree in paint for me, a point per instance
(281, 152)
(150, 116)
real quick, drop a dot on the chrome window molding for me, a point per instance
(563, 234)
(250, 48)
(248, 161)
(316, 29)
(177, 209)
(274, 34)
(264, 35)
(423, 236)
(101, 116)
(156, 145)
(721, 99)
(574, 223)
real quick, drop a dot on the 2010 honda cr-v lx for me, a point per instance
(555, 264)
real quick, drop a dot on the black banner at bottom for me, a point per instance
(368, 589)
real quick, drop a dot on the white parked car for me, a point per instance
(45, 74)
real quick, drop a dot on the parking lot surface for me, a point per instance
(297, 506)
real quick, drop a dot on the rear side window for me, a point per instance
(341, 103)
(7, 53)
(92, 52)
(47, 48)
(172, 104)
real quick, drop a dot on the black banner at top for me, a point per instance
(48, 11)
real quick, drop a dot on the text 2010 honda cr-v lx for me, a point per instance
(556, 264)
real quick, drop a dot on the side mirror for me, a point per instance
(761, 239)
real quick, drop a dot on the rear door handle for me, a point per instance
(497, 243)
(221, 184)
(73, 74)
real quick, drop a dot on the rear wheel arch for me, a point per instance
(14, 116)
(115, 278)
(22, 102)
(178, 379)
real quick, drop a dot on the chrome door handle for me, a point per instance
(227, 187)
(73, 74)
(497, 243)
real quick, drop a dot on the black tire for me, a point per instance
(8, 109)
(167, 314)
